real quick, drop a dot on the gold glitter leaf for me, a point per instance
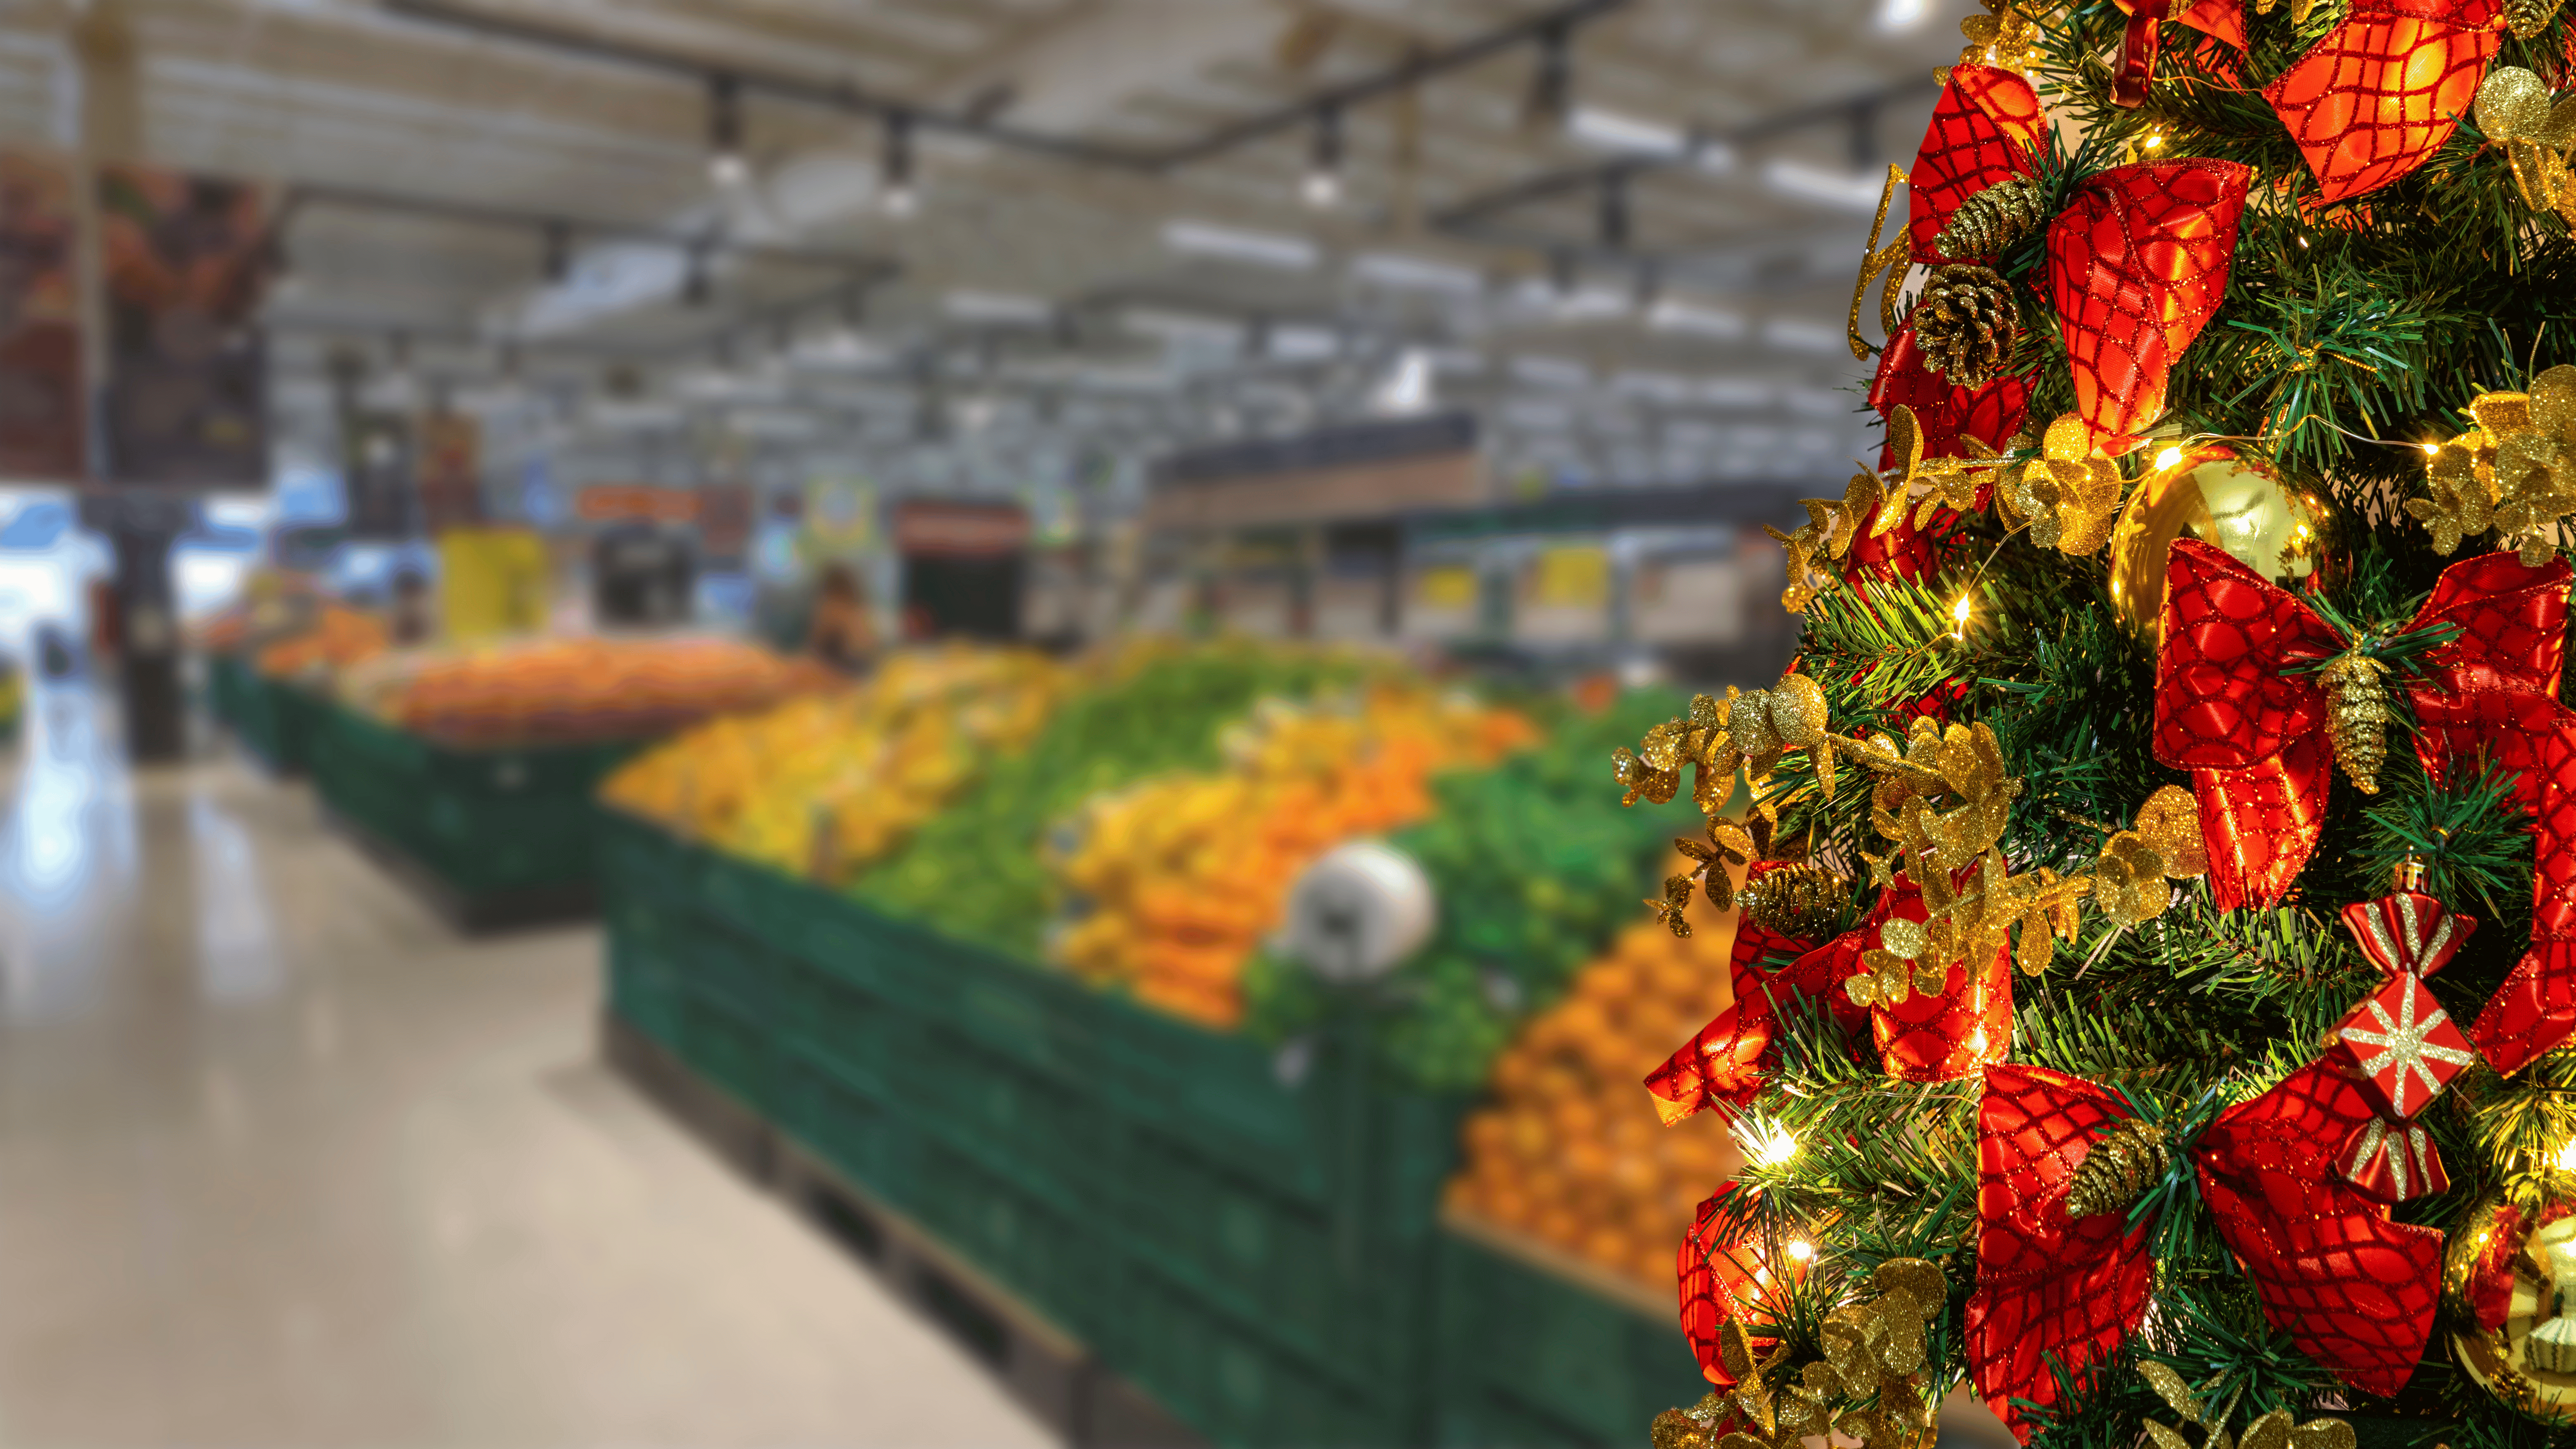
(2170, 823)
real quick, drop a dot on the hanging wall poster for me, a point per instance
(184, 258)
(44, 414)
(451, 471)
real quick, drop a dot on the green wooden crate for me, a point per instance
(486, 825)
(1534, 1356)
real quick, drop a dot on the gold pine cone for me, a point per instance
(2358, 714)
(1993, 219)
(2123, 1164)
(1966, 323)
(1803, 902)
(2527, 18)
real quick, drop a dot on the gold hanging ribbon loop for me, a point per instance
(1874, 260)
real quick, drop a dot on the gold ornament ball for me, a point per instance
(2231, 503)
(2529, 1363)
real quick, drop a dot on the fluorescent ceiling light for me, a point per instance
(1262, 248)
(1817, 402)
(1671, 314)
(1591, 304)
(1903, 14)
(1551, 371)
(1183, 328)
(970, 306)
(1303, 344)
(1799, 335)
(1855, 191)
(1738, 392)
(1717, 158)
(1393, 269)
(1661, 386)
(1616, 131)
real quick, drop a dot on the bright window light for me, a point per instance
(1854, 191)
(1261, 248)
(1407, 388)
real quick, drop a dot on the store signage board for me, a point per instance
(1376, 470)
(43, 432)
(634, 502)
(184, 259)
(938, 528)
(450, 471)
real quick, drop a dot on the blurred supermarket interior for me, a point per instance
(886, 722)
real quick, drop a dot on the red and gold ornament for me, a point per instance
(2355, 1291)
(2402, 1046)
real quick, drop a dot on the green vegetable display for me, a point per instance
(975, 871)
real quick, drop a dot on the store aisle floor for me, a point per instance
(283, 1161)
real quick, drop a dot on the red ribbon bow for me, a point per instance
(2139, 44)
(2384, 89)
(2353, 1290)
(2136, 264)
(1930, 1037)
(2253, 734)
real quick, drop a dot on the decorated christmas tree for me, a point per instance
(2157, 971)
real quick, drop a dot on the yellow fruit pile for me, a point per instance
(1569, 1150)
(1175, 880)
(825, 784)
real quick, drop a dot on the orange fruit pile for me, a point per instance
(562, 690)
(339, 638)
(1176, 880)
(1569, 1150)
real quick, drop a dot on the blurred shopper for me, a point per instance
(411, 621)
(840, 633)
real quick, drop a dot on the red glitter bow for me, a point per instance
(1948, 415)
(1983, 130)
(1930, 1037)
(2384, 89)
(2136, 264)
(2353, 1290)
(2139, 44)
(2253, 734)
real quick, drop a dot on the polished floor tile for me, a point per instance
(283, 1161)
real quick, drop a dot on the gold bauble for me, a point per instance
(2529, 1363)
(2232, 503)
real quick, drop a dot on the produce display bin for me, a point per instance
(1254, 1247)
(490, 834)
(276, 721)
(1540, 1350)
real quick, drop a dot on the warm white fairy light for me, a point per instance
(1768, 1143)
(2168, 458)
(2565, 1161)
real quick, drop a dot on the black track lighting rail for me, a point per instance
(1551, 30)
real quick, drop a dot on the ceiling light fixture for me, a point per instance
(1618, 131)
(558, 265)
(1323, 185)
(1393, 269)
(695, 288)
(1262, 248)
(1551, 93)
(1851, 191)
(1611, 211)
(725, 164)
(894, 172)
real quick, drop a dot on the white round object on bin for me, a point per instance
(1360, 911)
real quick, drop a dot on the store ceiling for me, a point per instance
(1116, 271)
